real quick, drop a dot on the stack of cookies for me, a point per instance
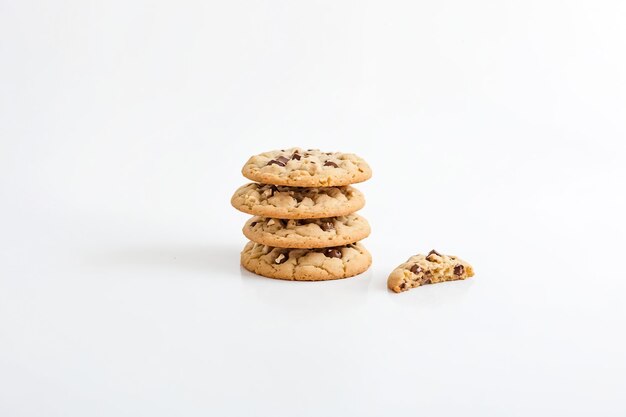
(304, 226)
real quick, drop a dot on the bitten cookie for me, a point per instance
(297, 203)
(307, 233)
(306, 264)
(428, 269)
(306, 168)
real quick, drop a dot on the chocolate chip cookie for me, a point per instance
(306, 264)
(297, 203)
(428, 269)
(307, 233)
(306, 168)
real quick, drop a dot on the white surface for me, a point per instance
(496, 131)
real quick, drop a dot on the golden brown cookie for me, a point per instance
(297, 203)
(306, 264)
(307, 233)
(428, 269)
(306, 168)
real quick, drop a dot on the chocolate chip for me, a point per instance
(426, 280)
(281, 259)
(253, 224)
(431, 256)
(269, 191)
(273, 161)
(282, 160)
(327, 225)
(330, 164)
(328, 153)
(459, 269)
(332, 253)
(296, 156)
(416, 269)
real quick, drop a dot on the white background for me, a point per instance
(496, 131)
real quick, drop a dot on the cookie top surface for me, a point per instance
(428, 269)
(307, 233)
(306, 264)
(297, 203)
(306, 168)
